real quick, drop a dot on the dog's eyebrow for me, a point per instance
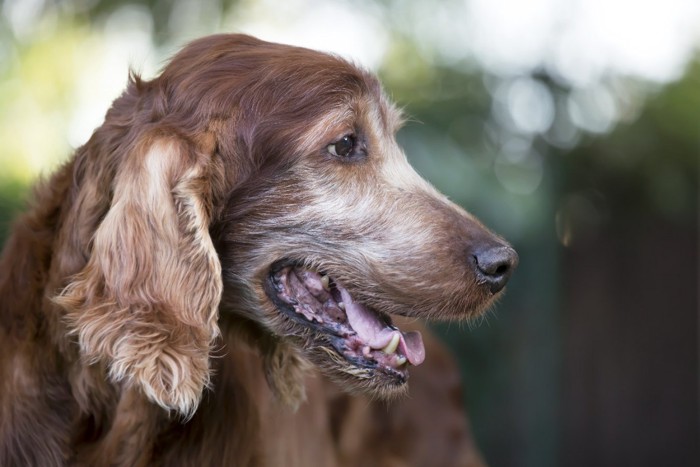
(392, 118)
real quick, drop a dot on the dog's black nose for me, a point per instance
(494, 266)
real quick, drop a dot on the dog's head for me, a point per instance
(281, 167)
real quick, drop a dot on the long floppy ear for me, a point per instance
(146, 303)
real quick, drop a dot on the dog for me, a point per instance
(211, 278)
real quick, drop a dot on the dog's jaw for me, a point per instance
(358, 333)
(357, 346)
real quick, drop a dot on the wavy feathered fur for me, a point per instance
(134, 324)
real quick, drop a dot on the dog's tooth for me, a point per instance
(392, 345)
(400, 360)
(341, 305)
(326, 282)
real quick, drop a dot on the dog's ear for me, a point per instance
(146, 303)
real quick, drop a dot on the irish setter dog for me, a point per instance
(211, 279)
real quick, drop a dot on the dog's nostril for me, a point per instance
(495, 265)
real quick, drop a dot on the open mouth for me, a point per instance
(364, 337)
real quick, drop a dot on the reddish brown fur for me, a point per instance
(115, 315)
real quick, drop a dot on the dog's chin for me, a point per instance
(360, 376)
(354, 345)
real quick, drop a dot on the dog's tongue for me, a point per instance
(377, 334)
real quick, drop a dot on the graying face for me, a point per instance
(329, 244)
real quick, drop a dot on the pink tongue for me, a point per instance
(377, 335)
(412, 346)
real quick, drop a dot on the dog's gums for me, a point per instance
(364, 337)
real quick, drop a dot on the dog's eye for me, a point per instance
(343, 147)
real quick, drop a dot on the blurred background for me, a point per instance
(572, 127)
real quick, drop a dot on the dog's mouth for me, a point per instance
(364, 337)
